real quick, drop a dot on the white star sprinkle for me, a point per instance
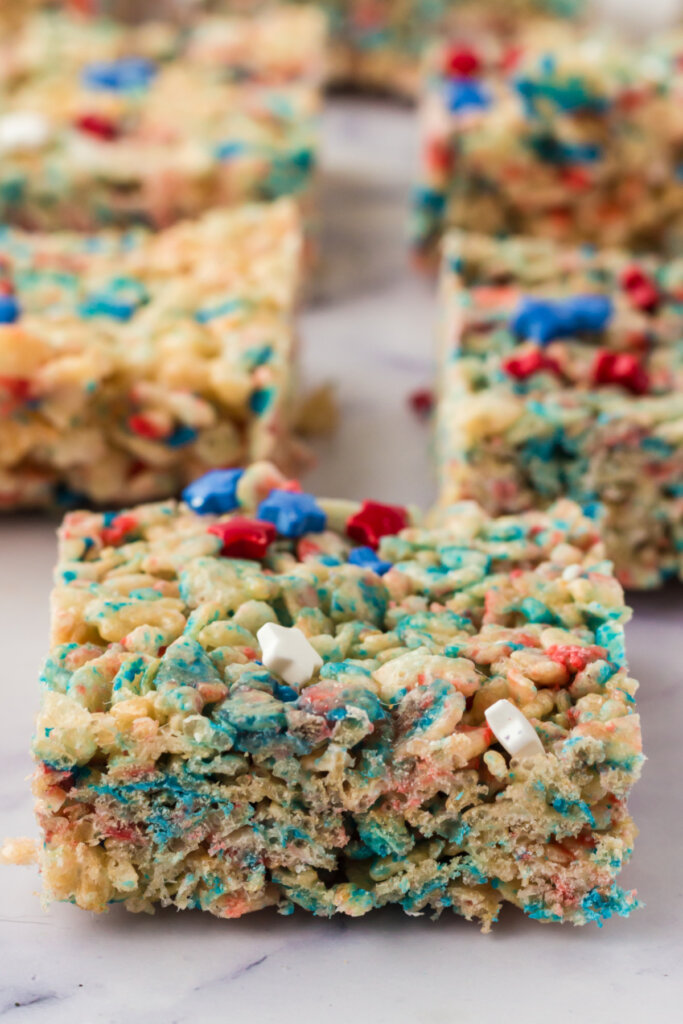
(286, 652)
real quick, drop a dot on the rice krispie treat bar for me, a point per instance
(378, 45)
(259, 698)
(562, 375)
(562, 134)
(105, 124)
(132, 362)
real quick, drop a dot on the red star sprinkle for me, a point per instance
(621, 368)
(101, 127)
(528, 363)
(462, 61)
(642, 290)
(422, 401)
(375, 521)
(244, 538)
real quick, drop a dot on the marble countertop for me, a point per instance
(371, 332)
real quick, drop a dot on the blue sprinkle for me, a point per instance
(122, 75)
(542, 320)
(215, 492)
(181, 436)
(292, 514)
(467, 94)
(9, 309)
(366, 558)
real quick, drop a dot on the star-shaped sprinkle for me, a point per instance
(374, 521)
(467, 94)
(9, 309)
(215, 493)
(122, 75)
(543, 320)
(513, 730)
(462, 61)
(366, 558)
(293, 514)
(286, 652)
(244, 538)
(623, 369)
(100, 127)
(528, 363)
(641, 289)
(22, 131)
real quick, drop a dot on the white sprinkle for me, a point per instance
(286, 652)
(572, 572)
(22, 131)
(512, 730)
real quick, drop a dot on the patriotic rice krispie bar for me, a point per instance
(131, 362)
(562, 134)
(104, 124)
(378, 45)
(562, 375)
(258, 698)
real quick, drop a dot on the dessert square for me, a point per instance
(257, 698)
(107, 124)
(561, 374)
(132, 361)
(553, 133)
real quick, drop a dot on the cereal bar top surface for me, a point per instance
(155, 594)
(553, 69)
(283, 43)
(532, 317)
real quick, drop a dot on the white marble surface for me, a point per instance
(371, 332)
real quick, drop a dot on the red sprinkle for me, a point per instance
(18, 388)
(101, 127)
(463, 61)
(375, 521)
(244, 538)
(421, 401)
(143, 426)
(118, 529)
(622, 368)
(642, 290)
(528, 363)
(575, 658)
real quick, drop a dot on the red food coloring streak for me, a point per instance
(621, 368)
(144, 427)
(421, 401)
(574, 658)
(101, 127)
(117, 531)
(462, 61)
(576, 177)
(244, 538)
(375, 521)
(528, 363)
(642, 290)
(511, 58)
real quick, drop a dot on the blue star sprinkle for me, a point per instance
(542, 320)
(215, 492)
(292, 514)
